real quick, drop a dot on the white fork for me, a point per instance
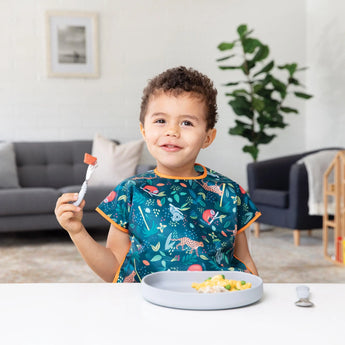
(90, 169)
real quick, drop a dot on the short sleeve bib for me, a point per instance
(177, 223)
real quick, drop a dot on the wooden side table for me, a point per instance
(334, 188)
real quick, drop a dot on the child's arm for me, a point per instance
(104, 261)
(242, 251)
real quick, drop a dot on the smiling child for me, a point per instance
(181, 215)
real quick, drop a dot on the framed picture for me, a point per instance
(72, 44)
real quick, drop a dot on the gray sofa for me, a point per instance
(45, 171)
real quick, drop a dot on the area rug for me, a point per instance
(51, 257)
(279, 261)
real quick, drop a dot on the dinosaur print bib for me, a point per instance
(177, 223)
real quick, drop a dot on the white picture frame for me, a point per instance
(72, 44)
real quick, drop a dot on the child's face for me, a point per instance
(175, 132)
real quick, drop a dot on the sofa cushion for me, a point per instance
(23, 201)
(115, 162)
(51, 164)
(94, 195)
(276, 198)
(8, 167)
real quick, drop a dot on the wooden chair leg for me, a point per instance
(296, 237)
(309, 233)
(256, 229)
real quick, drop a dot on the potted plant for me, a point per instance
(259, 98)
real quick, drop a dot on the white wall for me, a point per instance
(325, 121)
(139, 39)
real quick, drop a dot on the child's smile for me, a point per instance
(175, 132)
(171, 148)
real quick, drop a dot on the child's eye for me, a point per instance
(187, 123)
(160, 121)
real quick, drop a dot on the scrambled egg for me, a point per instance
(218, 283)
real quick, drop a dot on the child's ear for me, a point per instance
(142, 130)
(210, 136)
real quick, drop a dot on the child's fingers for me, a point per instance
(67, 198)
(68, 215)
(65, 217)
(64, 203)
(64, 208)
(81, 205)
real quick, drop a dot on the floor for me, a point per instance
(48, 257)
(279, 260)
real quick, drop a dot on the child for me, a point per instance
(181, 215)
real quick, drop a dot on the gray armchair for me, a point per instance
(279, 188)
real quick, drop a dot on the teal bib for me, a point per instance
(177, 223)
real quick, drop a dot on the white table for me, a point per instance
(117, 314)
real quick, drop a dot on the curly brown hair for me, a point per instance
(179, 80)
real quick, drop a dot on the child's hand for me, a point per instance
(68, 215)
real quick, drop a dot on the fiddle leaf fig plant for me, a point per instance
(259, 98)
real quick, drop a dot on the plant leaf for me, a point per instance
(243, 129)
(225, 58)
(273, 120)
(266, 69)
(279, 86)
(252, 150)
(266, 93)
(262, 91)
(232, 84)
(290, 67)
(229, 67)
(237, 92)
(247, 66)
(271, 106)
(242, 29)
(293, 81)
(302, 95)
(288, 110)
(263, 138)
(241, 106)
(262, 53)
(226, 45)
(258, 104)
(250, 44)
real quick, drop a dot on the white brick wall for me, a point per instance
(138, 39)
(325, 123)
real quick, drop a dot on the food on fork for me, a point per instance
(218, 283)
(92, 162)
(88, 159)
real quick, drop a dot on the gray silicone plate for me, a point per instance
(174, 289)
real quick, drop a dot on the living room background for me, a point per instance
(138, 39)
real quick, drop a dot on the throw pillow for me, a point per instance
(8, 167)
(115, 162)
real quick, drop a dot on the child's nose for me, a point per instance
(173, 131)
